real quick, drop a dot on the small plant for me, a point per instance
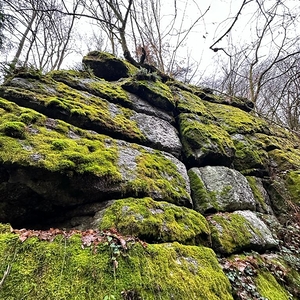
(144, 74)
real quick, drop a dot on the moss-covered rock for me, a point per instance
(260, 194)
(107, 66)
(87, 111)
(156, 221)
(81, 80)
(235, 120)
(249, 158)
(204, 142)
(82, 165)
(293, 186)
(239, 231)
(155, 92)
(62, 269)
(220, 189)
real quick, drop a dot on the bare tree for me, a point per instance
(41, 33)
(263, 68)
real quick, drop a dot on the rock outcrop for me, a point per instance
(133, 187)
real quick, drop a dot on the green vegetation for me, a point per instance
(155, 172)
(269, 288)
(200, 137)
(92, 84)
(230, 232)
(69, 104)
(62, 269)
(156, 93)
(156, 221)
(202, 198)
(293, 186)
(235, 120)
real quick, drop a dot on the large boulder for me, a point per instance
(220, 189)
(204, 142)
(155, 222)
(38, 153)
(107, 66)
(240, 231)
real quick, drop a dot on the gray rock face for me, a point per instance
(110, 119)
(142, 106)
(220, 189)
(261, 234)
(159, 133)
(239, 231)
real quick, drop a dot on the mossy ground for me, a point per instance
(156, 221)
(62, 269)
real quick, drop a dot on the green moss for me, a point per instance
(63, 270)
(235, 120)
(14, 129)
(248, 155)
(269, 288)
(154, 172)
(69, 104)
(200, 137)
(202, 199)
(50, 140)
(156, 93)
(156, 221)
(293, 186)
(259, 197)
(96, 86)
(285, 159)
(230, 232)
(190, 103)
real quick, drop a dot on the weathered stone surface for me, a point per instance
(142, 106)
(105, 65)
(154, 221)
(220, 189)
(239, 231)
(204, 142)
(94, 113)
(83, 166)
(155, 92)
(263, 203)
(159, 134)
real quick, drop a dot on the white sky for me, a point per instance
(215, 22)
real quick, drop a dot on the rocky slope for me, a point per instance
(157, 190)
